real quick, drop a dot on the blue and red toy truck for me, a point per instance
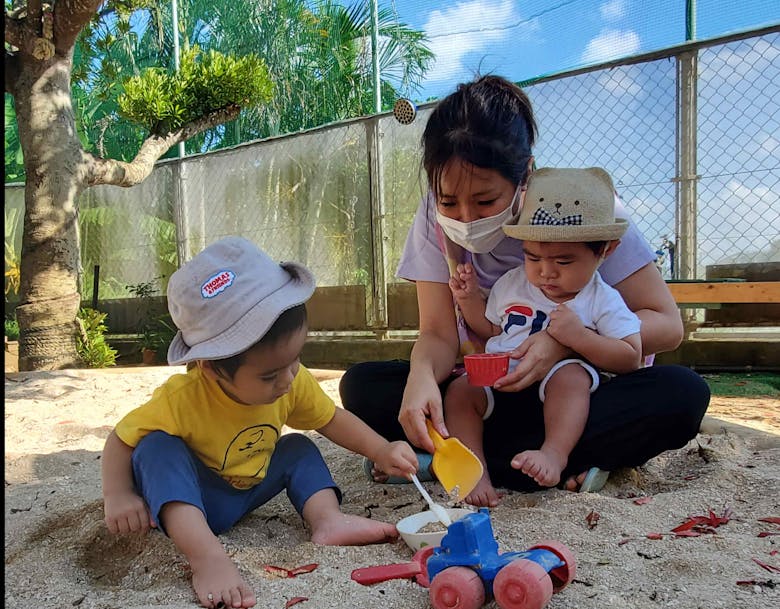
(466, 569)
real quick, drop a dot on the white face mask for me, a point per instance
(481, 236)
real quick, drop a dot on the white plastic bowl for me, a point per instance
(409, 526)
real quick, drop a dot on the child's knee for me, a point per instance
(296, 443)
(156, 443)
(570, 377)
(462, 398)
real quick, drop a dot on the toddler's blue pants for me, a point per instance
(166, 470)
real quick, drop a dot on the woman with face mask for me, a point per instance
(477, 154)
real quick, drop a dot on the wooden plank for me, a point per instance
(337, 308)
(725, 292)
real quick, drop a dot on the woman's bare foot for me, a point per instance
(378, 475)
(575, 482)
(216, 580)
(544, 466)
(483, 495)
(339, 529)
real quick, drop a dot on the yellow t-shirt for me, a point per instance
(234, 440)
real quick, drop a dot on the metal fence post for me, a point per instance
(180, 212)
(687, 177)
(377, 300)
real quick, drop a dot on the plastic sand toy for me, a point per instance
(467, 569)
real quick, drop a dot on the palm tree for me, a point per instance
(318, 54)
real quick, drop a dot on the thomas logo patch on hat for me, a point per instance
(217, 283)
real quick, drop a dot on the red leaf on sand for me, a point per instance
(295, 600)
(768, 567)
(687, 525)
(773, 553)
(643, 500)
(592, 519)
(286, 573)
(704, 524)
(688, 534)
(655, 535)
(768, 533)
(278, 571)
(303, 569)
(771, 519)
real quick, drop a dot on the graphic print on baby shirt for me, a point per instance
(519, 315)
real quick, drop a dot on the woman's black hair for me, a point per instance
(288, 322)
(488, 123)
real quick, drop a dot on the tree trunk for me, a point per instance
(55, 166)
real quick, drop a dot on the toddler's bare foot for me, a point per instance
(544, 466)
(348, 530)
(216, 580)
(483, 495)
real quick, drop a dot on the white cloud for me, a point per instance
(470, 27)
(613, 10)
(611, 44)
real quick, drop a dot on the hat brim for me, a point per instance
(568, 233)
(252, 326)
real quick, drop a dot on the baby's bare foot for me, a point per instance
(542, 465)
(348, 530)
(483, 495)
(216, 580)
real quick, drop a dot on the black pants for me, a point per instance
(633, 417)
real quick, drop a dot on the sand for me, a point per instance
(58, 553)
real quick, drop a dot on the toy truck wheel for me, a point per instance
(522, 584)
(560, 576)
(457, 588)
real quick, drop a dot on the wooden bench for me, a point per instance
(343, 308)
(713, 293)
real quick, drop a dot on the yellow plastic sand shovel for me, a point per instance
(457, 468)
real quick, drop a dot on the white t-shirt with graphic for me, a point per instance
(521, 309)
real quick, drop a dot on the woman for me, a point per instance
(477, 154)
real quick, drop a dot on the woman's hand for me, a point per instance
(432, 359)
(537, 354)
(422, 399)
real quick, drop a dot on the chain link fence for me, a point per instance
(340, 198)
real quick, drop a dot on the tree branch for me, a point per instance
(14, 32)
(120, 173)
(70, 17)
(11, 73)
(34, 12)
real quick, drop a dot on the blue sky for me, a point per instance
(521, 39)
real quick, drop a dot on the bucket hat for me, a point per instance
(568, 204)
(228, 296)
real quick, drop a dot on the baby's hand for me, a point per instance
(397, 459)
(127, 513)
(564, 325)
(464, 284)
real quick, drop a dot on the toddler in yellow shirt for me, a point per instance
(208, 448)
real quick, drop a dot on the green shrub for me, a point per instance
(91, 343)
(11, 328)
(163, 101)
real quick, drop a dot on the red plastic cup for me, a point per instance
(484, 369)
